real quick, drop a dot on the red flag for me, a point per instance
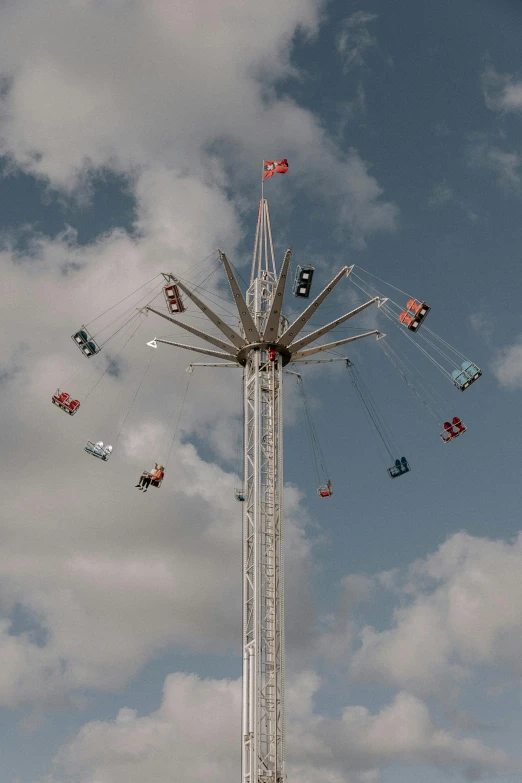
(271, 167)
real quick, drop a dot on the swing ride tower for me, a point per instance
(263, 346)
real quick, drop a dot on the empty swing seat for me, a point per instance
(65, 403)
(239, 494)
(303, 281)
(325, 490)
(401, 466)
(467, 375)
(85, 342)
(451, 430)
(173, 298)
(98, 450)
(414, 314)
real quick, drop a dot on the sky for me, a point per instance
(132, 136)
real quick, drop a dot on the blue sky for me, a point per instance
(131, 137)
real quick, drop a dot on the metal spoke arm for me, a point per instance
(274, 316)
(319, 361)
(247, 321)
(212, 364)
(227, 330)
(294, 328)
(329, 346)
(208, 337)
(207, 351)
(328, 327)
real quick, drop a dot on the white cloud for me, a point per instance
(502, 92)
(193, 736)
(194, 733)
(464, 609)
(169, 93)
(355, 40)
(508, 366)
(76, 532)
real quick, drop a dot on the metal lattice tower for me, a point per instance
(264, 345)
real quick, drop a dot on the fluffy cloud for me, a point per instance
(463, 609)
(193, 736)
(508, 366)
(180, 101)
(169, 93)
(194, 732)
(502, 92)
(105, 577)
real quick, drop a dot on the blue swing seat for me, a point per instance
(303, 281)
(467, 375)
(401, 466)
(85, 343)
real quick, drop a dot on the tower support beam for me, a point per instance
(263, 598)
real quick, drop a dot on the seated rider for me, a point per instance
(146, 477)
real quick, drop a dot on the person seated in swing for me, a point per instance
(147, 477)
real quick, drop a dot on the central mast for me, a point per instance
(263, 753)
(264, 344)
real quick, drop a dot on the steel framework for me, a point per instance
(263, 346)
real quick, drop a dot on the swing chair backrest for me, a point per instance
(85, 343)
(173, 298)
(414, 315)
(400, 468)
(467, 375)
(303, 281)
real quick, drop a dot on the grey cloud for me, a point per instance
(507, 367)
(505, 166)
(442, 193)
(355, 39)
(502, 92)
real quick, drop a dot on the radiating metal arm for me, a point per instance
(214, 364)
(294, 329)
(274, 317)
(208, 337)
(249, 326)
(227, 330)
(329, 346)
(320, 361)
(207, 351)
(328, 327)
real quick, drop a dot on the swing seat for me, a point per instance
(401, 466)
(85, 343)
(155, 483)
(452, 430)
(239, 495)
(173, 298)
(98, 450)
(64, 402)
(303, 281)
(325, 490)
(467, 375)
(414, 314)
